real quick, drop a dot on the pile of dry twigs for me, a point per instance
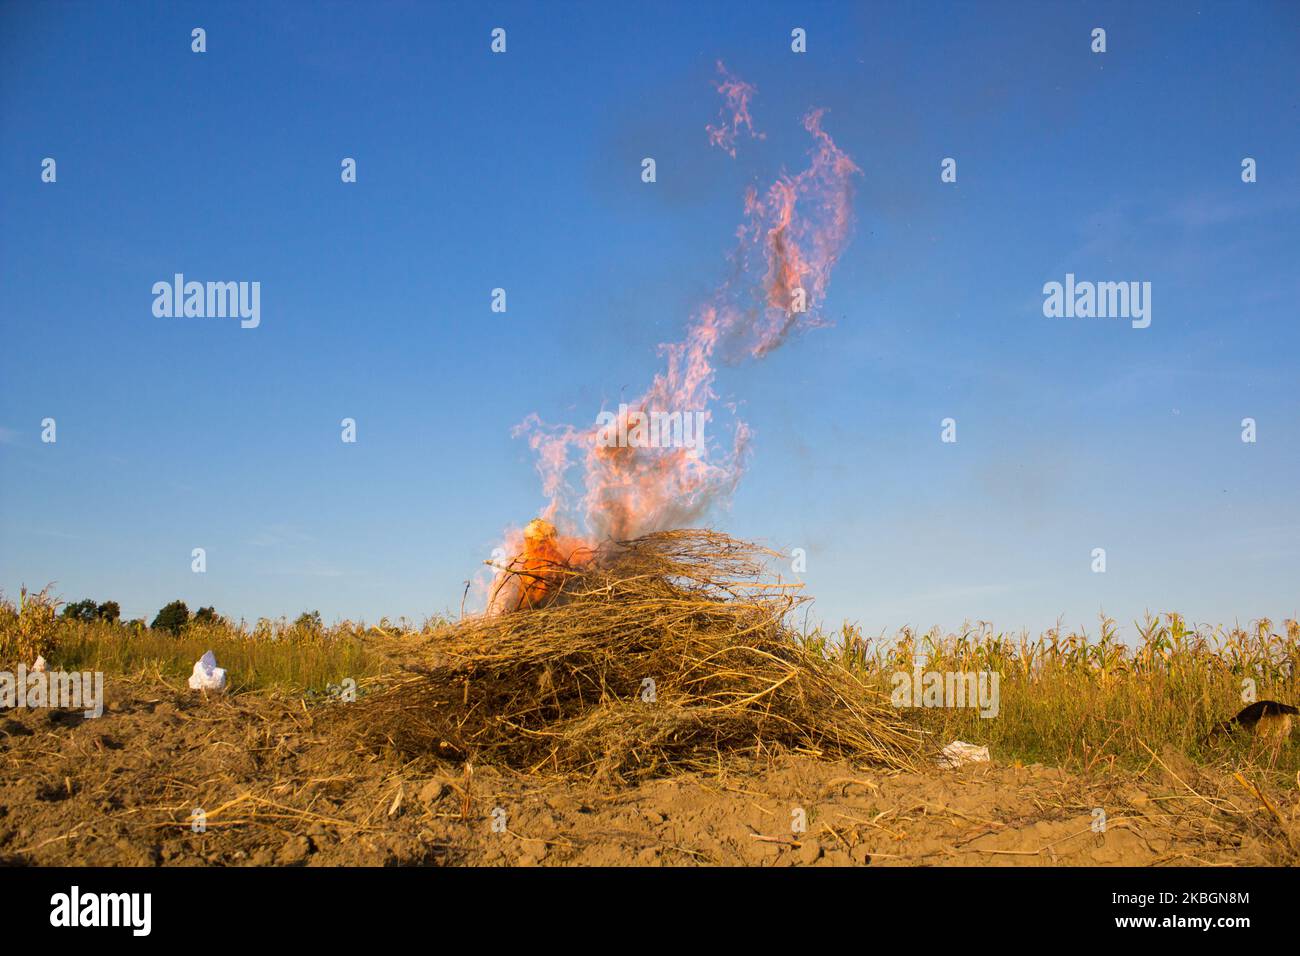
(662, 653)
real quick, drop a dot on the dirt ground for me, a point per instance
(281, 784)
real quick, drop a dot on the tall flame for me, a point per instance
(791, 238)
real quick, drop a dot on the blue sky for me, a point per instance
(522, 171)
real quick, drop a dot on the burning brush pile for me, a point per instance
(655, 654)
(624, 649)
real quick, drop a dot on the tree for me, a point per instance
(80, 610)
(109, 611)
(206, 615)
(172, 617)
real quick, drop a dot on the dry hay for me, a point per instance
(563, 688)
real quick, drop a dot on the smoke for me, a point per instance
(733, 114)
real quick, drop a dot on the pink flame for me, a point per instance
(792, 238)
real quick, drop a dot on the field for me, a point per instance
(1089, 731)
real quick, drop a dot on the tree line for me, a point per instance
(173, 617)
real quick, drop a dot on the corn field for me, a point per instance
(1087, 702)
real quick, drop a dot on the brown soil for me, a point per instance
(282, 785)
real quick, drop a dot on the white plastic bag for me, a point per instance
(207, 675)
(959, 752)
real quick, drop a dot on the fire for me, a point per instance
(790, 241)
(542, 560)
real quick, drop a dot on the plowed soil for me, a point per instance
(167, 777)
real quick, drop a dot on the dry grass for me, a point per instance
(271, 655)
(1071, 700)
(666, 652)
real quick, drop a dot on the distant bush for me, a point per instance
(173, 617)
(88, 611)
(85, 610)
(206, 615)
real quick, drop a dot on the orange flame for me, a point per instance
(542, 561)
